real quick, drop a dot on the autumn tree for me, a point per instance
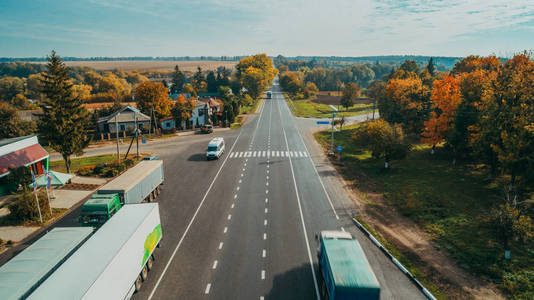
(189, 89)
(383, 140)
(350, 93)
(153, 96)
(182, 109)
(11, 124)
(255, 73)
(177, 80)
(445, 98)
(64, 122)
(199, 82)
(10, 87)
(310, 90)
(291, 83)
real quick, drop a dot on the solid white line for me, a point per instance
(214, 265)
(225, 229)
(207, 291)
(191, 222)
(302, 217)
(221, 245)
(262, 274)
(264, 253)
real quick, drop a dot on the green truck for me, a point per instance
(99, 208)
(345, 271)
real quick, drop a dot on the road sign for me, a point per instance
(323, 122)
(333, 107)
(143, 141)
(339, 148)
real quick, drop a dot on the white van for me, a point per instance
(215, 148)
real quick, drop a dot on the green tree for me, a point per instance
(178, 80)
(211, 81)
(12, 125)
(64, 122)
(20, 176)
(383, 140)
(291, 83)
(9, 87)
(351, 92)
(409, 66)
(198, 80)
(430, 67)
(511, 225)
(375, 92)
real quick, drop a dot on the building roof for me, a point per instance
(166, 118)
(14, 140)
(24, 272)
(123, 116)
(214, 102)
(21, 157)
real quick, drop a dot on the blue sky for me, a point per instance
(87, 28)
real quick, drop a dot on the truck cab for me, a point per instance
(344, 269)
(99, 208)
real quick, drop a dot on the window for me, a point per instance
(122, 127)
(212, 148)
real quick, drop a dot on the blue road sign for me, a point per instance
(323, 122)
(143, 141)
(339, 148)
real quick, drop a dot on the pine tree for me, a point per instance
(431, 67)
(178, 80)
(64, 122)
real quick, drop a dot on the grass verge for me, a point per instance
(308, 109)
(450, 202)
(77, 163)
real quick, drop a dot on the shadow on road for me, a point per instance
(197, 157)
(296, 283)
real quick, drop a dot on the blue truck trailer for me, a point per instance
(345, 271)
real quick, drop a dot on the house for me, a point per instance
(125, 118)
(168, 124)
(21, 151)
(200, 115)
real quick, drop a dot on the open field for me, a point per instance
(450, 203)
(310, 109)
(332, 98)
(190, 66)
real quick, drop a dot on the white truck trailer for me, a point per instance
(137, 184)
(113, 263)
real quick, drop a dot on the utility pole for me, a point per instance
(334, 109)
(136, 134)
(117, 133)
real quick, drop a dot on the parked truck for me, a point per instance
(138, 184)
(25, 272)
(113, 263)
(99, 208)
(344, 269)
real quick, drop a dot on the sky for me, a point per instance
(115, 28)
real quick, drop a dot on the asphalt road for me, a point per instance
(243, 226)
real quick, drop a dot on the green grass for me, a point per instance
(308, 109)
(76, 163)
(449, 202)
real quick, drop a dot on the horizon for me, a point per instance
(133, 28)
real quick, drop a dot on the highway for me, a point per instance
(243, 226)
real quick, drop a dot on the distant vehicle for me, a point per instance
(269, 94)
(207, 128)
(99, 208)
(215, 148)
(138, 184)
(344, 269)
(113, 262)
(151, 157)
(21, 275)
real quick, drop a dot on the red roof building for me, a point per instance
(22, 151)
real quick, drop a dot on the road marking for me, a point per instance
(342, 229)
(266, 200)
(243, 169)
(241, 174)
(221, 245)
(266, 191)
(239, 180)
(267, 171)
(232, 206)
(254, 154)
(287, 152)
(240, 154)
(191, 222)
(214, 265)
(208, 287)
(267, 177)
(235, 196)
(302, 216)
(261, 298)
(225, 229)
(245, 165)
(264, 253)
(267, 184)
(263, 153)
(265, 236)
(265, 223)
(266, 210)
(262, 274)
(232, 154)
(229, 217)
(246, 159)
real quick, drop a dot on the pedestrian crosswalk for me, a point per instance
(268, 153)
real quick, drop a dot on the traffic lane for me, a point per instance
(238, 275)
(187, 177)
(394, 284)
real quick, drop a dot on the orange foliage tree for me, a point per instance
(445, 98)
(153, 95)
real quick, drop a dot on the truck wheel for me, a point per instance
(150, 198)
(150, 262)
(138, 283)
(144, 273)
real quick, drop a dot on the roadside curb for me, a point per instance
(394, 260)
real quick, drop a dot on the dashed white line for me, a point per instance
(221, 245)
(242, 175)
(266, 210)
(225, 229)
(235, 196)
(208, 287)
(265, 236)
(264, 253)
(238, 188)
(266, 200)
(229, 217)
(267, 183)
(266, 191)
(240, 180)
(342, 229)
(214, 265)
(265, 223)
(262, 274)
(232, 206)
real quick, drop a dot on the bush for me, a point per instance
(111, 169)
(520, 284)
(24, 208)
(86, 171)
